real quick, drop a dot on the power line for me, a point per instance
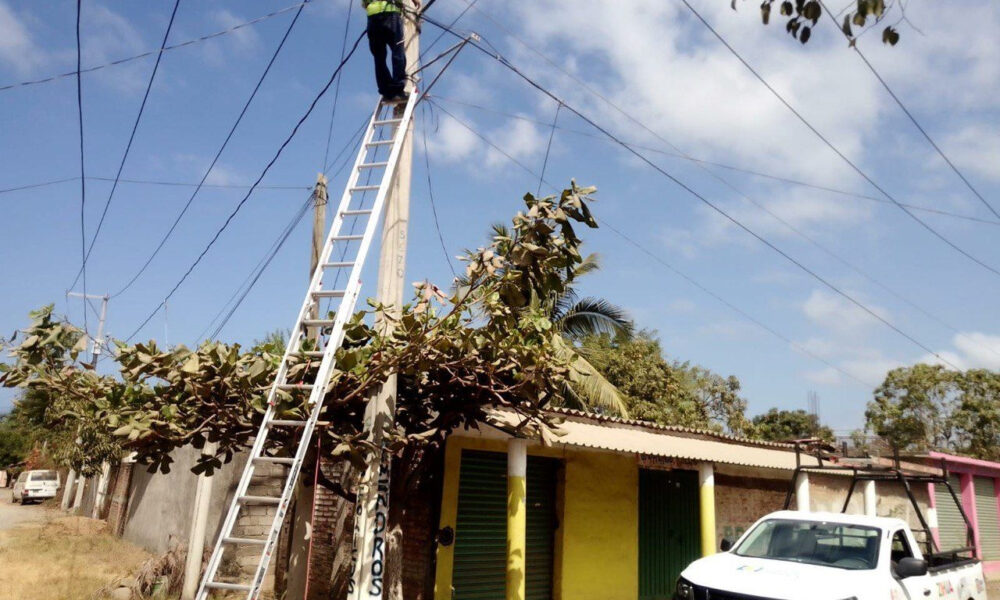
(711, 204)
(912, 118)
(218, 154)
(264, 262)
(664, 263)
(548, 147)
(430, 192)
(242, 202)
(129, 59)
(336, 91)
(728, 167)
(83, 171)
(131, 138)
(835, 149)
(242, 186)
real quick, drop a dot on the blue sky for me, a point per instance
(652, 59)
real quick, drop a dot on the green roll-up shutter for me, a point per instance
(481, 527)
(986, 517)
(951, 526)
(669, 530)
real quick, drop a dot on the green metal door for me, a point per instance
(669, 530)
(986, 516)
(951, 526)
(481, 527)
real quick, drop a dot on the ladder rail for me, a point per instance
(344, 313)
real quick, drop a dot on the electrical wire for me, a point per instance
(798, 347)
(218, 154)
(548, 148)
(128, 146)
(262, 264)
(430, 192)
(506, 63)
(910, 115)
(243, 201)
(835, 149)
(129, 59)
(728, 167)
(336, 90)
(83, 171)
(152, 182)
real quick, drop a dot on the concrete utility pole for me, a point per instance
(199, 527)
(320, 200)
(99, 339)
(371, 526)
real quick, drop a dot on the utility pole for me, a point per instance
(371, 518)
(99, 340)
(320, 200)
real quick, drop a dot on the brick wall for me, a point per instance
(118, 495)
(741, 500)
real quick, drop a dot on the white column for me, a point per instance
(871, 499)
(802, 492)
(199, 524)
(80, 486)
(68, 489)
(102, 491)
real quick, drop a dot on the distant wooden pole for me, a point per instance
(320, 200)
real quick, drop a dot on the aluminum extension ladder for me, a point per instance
(341, 253)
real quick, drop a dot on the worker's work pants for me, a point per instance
(385, 30)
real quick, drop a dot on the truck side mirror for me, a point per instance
(911, 567)
(726, 545)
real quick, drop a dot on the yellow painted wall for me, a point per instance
(597, 543)
(600, 527)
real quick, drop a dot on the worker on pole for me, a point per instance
(385, 31)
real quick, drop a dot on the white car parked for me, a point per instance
(35, 486)
(790, 555)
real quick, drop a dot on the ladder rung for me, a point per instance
(285, 423)
(364, 188)
(259, 500)
(329, 294)
(347, 238)
(243, 541)
(380, 143)
(374, 165)
(386, 122)
(318, 323)
(274, 460)
(313, 354)
(295, 386)
(356, 212)
(337, 265)
(218, 585)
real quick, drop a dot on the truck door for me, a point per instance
(913, 588)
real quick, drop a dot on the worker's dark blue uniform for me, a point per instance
(385, 31)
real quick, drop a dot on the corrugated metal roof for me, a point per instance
(584, 431)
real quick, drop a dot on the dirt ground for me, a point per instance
(993, 589)
(48, 556)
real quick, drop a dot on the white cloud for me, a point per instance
(452, 142)
(522, 140)
(977, 149)
(972, 350)
(17, 46)
(109, 36)
(839, 315)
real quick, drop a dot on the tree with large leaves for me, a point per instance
(777, 425)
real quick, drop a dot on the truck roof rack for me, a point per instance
(875, 469)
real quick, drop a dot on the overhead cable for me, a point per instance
(718, 209)
(243, 201)
(83, 171)
(218, 154)
(796, 346)
(131, 138)
(837, 150)
(129, 59)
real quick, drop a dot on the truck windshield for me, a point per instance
(837, 545)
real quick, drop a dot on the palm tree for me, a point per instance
(576, 318)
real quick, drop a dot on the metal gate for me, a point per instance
(481, 527)
(669, 530)
(986, 516)
(951, 526)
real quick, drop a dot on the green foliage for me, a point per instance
(802, 16)
(492, 344)
(785, 425)
(927, 407)
(668, 393)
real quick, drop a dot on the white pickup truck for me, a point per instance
(790, 555)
